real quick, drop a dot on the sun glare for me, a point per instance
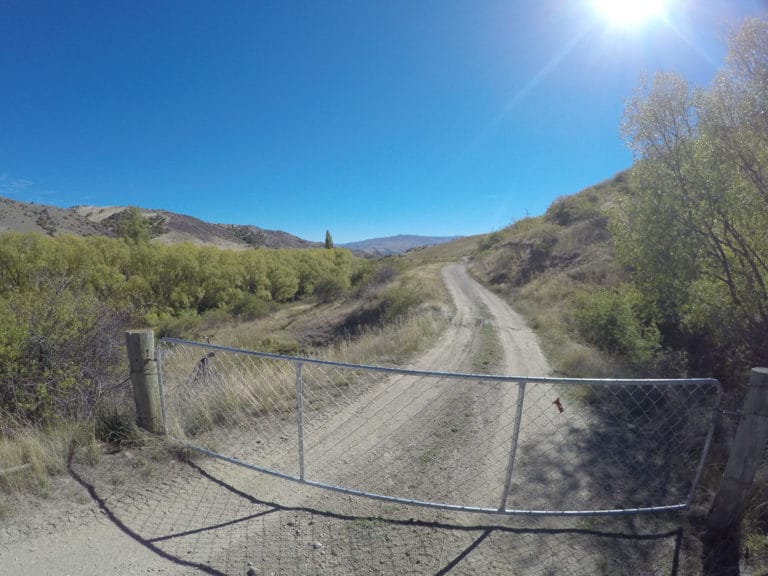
(629, 13)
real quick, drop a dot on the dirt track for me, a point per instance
(214, 518)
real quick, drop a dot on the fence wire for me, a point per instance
(460, 442)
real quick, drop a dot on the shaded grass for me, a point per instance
(30, 455)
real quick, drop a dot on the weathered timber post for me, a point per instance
(745, 457)
(146, 386)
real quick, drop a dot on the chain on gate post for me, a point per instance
(513, 450)
(300, 417)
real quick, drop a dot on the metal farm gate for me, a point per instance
(462, 442)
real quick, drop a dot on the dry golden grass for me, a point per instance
(392, 345)
(30, 455)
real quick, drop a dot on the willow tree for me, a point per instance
(694, 226)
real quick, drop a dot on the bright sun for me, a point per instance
(628, 13)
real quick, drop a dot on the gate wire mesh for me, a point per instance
(461, 442)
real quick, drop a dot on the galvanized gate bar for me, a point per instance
(513, 450)
(436, 505)
(300, 417)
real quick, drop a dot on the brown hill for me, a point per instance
(30, 217)
(167, 227)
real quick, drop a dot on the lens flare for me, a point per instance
(628, 13)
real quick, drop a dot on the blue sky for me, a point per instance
(365, 118)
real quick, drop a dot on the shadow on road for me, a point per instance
(217, 528)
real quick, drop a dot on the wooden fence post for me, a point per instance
(144, 378)
(745, 457)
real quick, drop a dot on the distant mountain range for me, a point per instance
(171, 228)
(395, 244)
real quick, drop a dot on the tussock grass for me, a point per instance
(394, 344)
(29, 456)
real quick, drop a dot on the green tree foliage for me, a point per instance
(65, 302)
(328, 240)
(132, 226)
(693, 226)
(59, 348)
(615, 320)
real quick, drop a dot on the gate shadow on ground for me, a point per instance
(470, 544)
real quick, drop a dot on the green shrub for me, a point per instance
(59, 348)
(568, 210)
(185, 325)
(397, 302)
(250, 307)
(329, 289)
(613, 320)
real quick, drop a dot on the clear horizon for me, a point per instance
(367, 120)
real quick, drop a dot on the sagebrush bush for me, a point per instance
(250, 307)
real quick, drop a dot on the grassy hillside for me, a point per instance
(546, 266)
(543, 265)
